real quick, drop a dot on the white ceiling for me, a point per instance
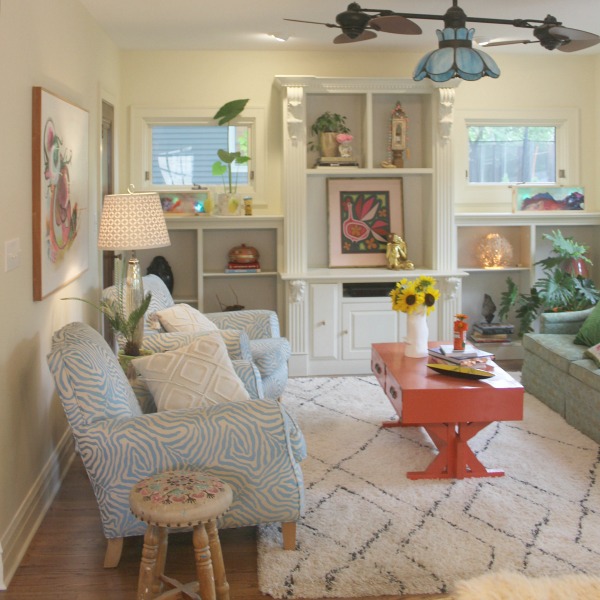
(245, 24)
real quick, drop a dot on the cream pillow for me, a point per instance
(183, 317)
(197, 375)
(594, 353)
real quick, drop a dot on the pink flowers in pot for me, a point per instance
(340, 138)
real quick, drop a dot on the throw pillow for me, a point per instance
(197, 375)
(589, 332)
(183, 317)
(594, 353)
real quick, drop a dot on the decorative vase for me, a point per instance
(345, 149)
(230, 205)
(328, 144)
(417, 333)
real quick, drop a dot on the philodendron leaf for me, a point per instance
(240, 160)
(219, 169)
(227, 157)
(230, 111)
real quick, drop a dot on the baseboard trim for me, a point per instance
(30, 515)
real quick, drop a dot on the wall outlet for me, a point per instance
(12, 254)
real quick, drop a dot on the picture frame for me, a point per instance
(361, 213)
(60, 182)
(398, 133)
(548, 198)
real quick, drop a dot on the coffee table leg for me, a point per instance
(455, 459)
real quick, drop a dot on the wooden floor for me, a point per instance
(64, 561)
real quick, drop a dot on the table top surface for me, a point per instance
(413, 373)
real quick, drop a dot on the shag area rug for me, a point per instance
(368, 530)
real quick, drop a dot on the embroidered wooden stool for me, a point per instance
(174, 500)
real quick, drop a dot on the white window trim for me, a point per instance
(486, 197)
(142, 118)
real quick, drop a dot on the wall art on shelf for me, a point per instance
(548, 198)
(186, 203)
(362, 212)
(60, 132)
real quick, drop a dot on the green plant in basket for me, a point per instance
(560, 288)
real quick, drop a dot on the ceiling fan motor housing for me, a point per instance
(353, 21)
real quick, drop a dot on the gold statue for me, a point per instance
(397, 258)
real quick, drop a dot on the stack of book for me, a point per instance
(337, 161)
(470, 356)
(251, 267)
(491, 333)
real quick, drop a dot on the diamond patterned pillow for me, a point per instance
(183, 317)
(197, 375)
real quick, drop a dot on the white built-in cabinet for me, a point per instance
(333, 315)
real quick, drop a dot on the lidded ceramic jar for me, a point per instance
(243, 254)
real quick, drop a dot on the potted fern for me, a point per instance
(561, 288)
(224, 166)
(128, 326)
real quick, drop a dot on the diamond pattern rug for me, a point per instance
(368, 530)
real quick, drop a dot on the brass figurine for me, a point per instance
(396, 255)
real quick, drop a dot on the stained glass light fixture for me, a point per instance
(455, 56)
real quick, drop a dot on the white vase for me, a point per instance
(230, 205)
(417, 334)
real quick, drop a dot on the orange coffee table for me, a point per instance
(452, 410)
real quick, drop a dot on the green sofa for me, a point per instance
(557, 372)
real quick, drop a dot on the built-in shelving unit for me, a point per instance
(198, 256)
(330, 331)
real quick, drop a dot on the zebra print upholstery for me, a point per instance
(250, 335)
(255, 446)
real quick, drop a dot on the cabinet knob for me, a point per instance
(345, 332)
(321, 323)
(393, 393)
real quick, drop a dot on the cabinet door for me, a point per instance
(324, 305)
(366, 323)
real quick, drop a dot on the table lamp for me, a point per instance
(133, 222)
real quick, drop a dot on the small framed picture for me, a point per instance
(399, 133)
(362, 212)
(548, 198)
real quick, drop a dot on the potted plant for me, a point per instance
(224, 166)
(128, 326)
(326, 127)
(561, 288)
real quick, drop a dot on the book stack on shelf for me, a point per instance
(469, 357)
(337, 161)
(250, 267)
(491, 333)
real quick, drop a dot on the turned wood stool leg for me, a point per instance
(148, 577)
(161, 559)
(204, 568)
(221, 585)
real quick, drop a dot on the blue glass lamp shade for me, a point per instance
(456, 57)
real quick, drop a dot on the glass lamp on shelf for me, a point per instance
(494, 251)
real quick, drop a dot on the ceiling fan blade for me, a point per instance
(345, 39)
(507, 43)
(395, 24)
(313, 22)
(577, 39)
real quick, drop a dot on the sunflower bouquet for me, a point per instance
(410, 296)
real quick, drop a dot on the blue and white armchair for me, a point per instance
(120, 445)
(253, 339)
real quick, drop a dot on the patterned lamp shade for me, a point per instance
(132, 222)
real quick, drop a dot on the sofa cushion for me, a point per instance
(556, 349)
(589, 333)
(594, 353)
(197, 375)
(587, 372)
(269, 354)
(183, 318)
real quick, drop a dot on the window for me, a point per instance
(176, 148)
(498, 149)
(183, 155)
(512, 154)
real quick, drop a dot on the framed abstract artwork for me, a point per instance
(362, 212)
(548, 198)
(60, 192)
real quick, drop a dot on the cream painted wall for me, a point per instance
(54, 44)
(188, 79)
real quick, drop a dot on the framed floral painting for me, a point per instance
(60, 192)
(362, 212)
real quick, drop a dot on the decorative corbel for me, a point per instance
(451, 286)
(295, 123)
(297, 289)
(446, 112)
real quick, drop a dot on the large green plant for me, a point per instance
(328, 122)
(116, 314)
(224, 166)
(559, 289)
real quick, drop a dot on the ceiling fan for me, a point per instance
(360, 24)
